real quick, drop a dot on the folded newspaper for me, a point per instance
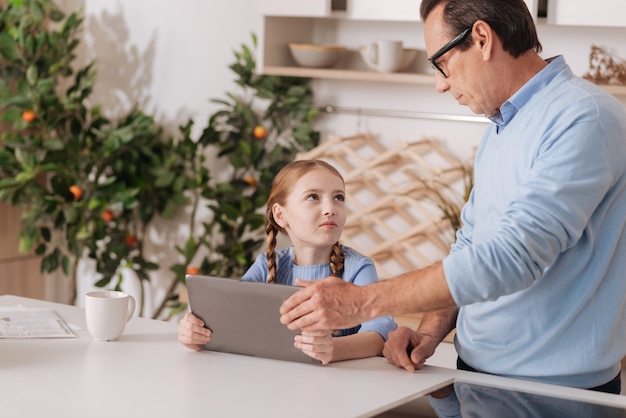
(21, 322)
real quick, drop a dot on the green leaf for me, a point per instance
(56, 15)
(45, 86)
(24, 157)
(112, 144)
(179, 269)
(150, 266)
(103, 182)
(169, 210)
(49, 263)
(41, 249)
(8, 48)
(165, 179)
(26, 243)
(245, 148)
(53, 144)
(82, 233)
(8, 182)
(229, 211)
(25, 176)
(95, 203)
(71, 215)
(37, 11)
(245, 205)
(45, 234)
(65, 265)
(103, 282)
(190, 248)
(32, 75)
(225, 188)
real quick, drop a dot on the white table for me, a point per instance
(148, 373)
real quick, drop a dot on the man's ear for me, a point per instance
(483, 36)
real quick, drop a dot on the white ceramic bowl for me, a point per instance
(408, 56)
(316, 55)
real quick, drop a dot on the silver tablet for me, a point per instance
(244, 317)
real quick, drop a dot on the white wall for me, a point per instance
(173, 56)
(170, 56)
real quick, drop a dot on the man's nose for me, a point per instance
(441, 84)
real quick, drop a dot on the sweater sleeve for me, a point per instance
(361, 271)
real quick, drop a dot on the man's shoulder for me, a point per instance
(573, 85)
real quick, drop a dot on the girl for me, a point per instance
(307, 203)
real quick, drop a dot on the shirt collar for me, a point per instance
(528, 90)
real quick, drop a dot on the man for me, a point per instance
(536, 280)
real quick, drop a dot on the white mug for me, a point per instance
(107, 313)
(385, 56)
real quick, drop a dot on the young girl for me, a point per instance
(307, 203)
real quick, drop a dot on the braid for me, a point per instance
(271, 252)
(336, 260)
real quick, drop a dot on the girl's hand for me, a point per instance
(191, 332)
(316, 344)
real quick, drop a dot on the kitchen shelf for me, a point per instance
(372, 76)
(353, 75)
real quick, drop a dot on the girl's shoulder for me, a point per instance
(358, 268)
(349, 252)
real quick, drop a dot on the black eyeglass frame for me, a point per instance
(454, 42)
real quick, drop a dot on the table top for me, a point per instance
(147, 371)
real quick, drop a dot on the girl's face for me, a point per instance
(315, 213)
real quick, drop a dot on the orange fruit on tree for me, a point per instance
(76, 191)
(130, 240)
(192, 270)
(259, 132)
(28, 115)
(108, 215)
(251, 181)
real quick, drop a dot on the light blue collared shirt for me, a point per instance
(509, 109)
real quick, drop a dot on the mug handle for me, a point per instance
(373, 54)
(131, 307)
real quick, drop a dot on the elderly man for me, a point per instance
(535, 283)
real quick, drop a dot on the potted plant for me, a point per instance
(90, 186)
(257, 131)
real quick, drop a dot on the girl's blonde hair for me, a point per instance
(282, 186)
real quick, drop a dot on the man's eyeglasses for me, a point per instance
(453, 43)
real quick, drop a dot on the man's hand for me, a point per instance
(409, 349)
(325, 304)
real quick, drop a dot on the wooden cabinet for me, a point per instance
(19, 273)
(309, 8)
(610, 13)
(399, 10)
